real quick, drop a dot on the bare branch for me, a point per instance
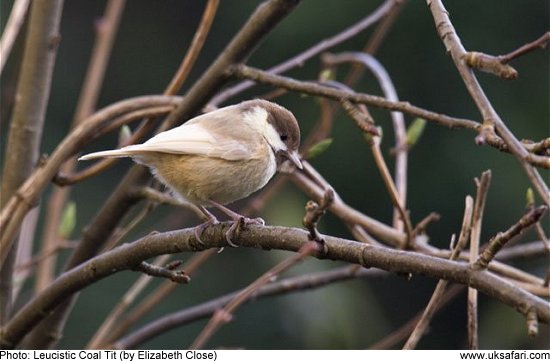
(374, 143)
(224, 315)
(188, 315)
(13, 25)
(106, 30)
(154, 298)
(498, 241)
(318, 48)
(400, 131)
(130, 255)
(491, 119)
(439, 292)
(195, 48)
(477, 218)
(106, 327)
(164, 272)
(540, 43)
(25, 134)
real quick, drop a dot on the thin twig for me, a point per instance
(405, 330)
(490, 64)
(318, 48)
(206, 309)
(223, 316)
(12, 28)
(105, 329)
(472, 302)
(195, 48)
(477, 219)
(532, 324)
(498, 241)
(374, 143)
(314, 212)
(439, 291)
(400, 131)
(425, 222)
(540, 43)
(154, 298)
(163, 272)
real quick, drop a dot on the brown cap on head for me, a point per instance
(282, 120)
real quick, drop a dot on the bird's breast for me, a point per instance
(201, 178)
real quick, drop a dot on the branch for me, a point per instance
(23, 145)
(245, 72)
(497, 242)
(158, 295)
(163, 272)
(363, 117)
(203, 310)
(439, 292)
(224, 315)
(540, 43)
(483, 184)
(318, 48)
(13, 25)
(130, 255)
(398, 120)
(195, 48)
(491, 119)
(106, 30)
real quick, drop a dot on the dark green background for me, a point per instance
(153, 38)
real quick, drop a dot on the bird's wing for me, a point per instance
(195, 139)
(210, 134)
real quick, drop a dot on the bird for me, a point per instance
(220, 157)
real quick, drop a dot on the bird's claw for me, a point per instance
(238, 225)
(201, 227)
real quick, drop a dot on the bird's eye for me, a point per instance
(284, 137)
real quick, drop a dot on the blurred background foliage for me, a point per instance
(152, 40)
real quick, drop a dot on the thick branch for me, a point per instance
(130, 255)
(33, 93)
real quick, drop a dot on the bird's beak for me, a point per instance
(295, 159)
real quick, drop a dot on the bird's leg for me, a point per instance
(238, 220)
(212, 220)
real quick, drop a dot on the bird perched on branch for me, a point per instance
(221, 156)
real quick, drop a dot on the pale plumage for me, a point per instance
(221, 156)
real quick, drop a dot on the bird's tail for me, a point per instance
(128, 151)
